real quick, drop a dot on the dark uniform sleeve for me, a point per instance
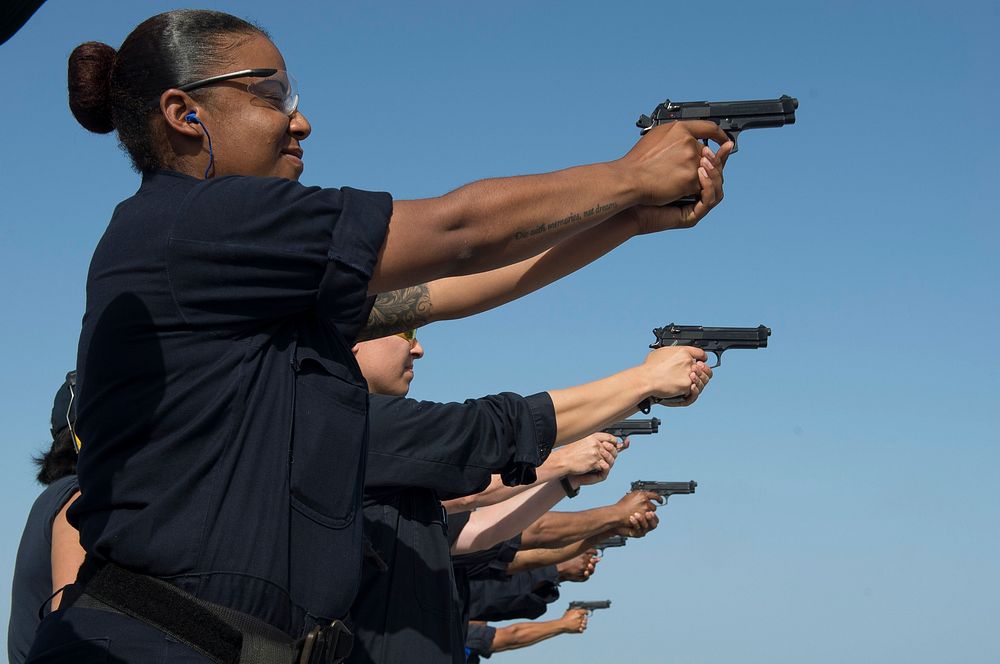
(453, 448)
(525, 595)
(489, 563)
(245, 251)
(479, 640)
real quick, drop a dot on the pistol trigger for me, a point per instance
(733, 135)
(718, 359)
(646, 406)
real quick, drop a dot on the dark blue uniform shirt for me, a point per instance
(418, 451)
(479, 642)
(32, 584)
(223, 417)
(489, 563)
(524, 595)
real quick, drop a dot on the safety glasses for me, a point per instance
(276, 87)
(409, 335)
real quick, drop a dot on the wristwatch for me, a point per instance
(568, 487)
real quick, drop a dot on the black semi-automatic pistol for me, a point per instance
(590, 607)
(612, 542)
(715, 340)
(665, 489)
(637, 427)
(731, 116)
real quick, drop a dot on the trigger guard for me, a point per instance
(733, 135)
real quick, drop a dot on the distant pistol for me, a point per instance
(612, 542)
(637, 427)
(665, 489)
(715, 340)
(590, 607)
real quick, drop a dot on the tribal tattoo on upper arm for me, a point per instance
(398, 311)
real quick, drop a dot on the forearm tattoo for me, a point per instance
(565, 221)
(398, 311)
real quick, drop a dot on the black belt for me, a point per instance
(224, 635)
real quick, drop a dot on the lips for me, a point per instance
(293, 152)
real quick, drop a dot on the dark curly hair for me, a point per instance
(59, 461)
(111, 90)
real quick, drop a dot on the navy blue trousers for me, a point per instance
(92, 636)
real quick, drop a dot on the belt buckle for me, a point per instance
(326, 644)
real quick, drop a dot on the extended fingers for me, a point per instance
(725, 150)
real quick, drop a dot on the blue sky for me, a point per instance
(845, 505)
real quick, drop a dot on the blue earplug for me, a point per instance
(193, 117)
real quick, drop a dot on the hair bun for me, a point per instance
(90, 86)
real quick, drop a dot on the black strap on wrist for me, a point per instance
(568, 487)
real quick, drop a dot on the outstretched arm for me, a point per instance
(496, 523)
(529, 559)
(630, 515)
(589, 407)
(520, 635)
(586, 455)
(499, 222)
(457, 297)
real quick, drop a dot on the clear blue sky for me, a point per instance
(846, 506)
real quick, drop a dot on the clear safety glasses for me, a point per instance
(273, 86)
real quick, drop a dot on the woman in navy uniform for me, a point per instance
(223, 416)
(49, 552)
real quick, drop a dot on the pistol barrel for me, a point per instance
(664, 488)
(708, 337)
(637, 427)
(590, 606)
(734, 115)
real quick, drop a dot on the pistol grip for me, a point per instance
(685, 201)
(647, 405)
